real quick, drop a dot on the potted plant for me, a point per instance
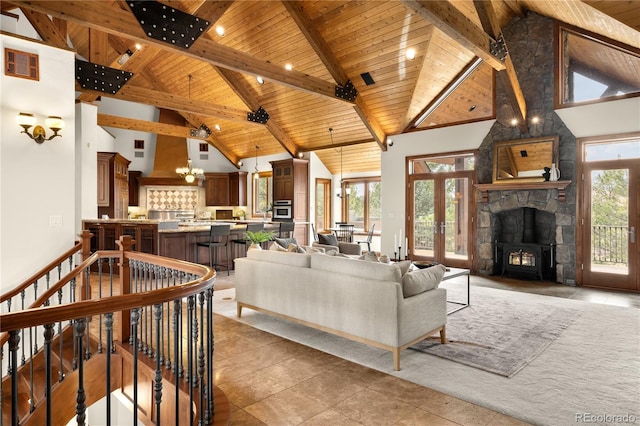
(258, 237)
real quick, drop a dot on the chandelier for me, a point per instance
(190, 173)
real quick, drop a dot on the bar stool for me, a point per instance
(218, 238)
(251, 227)
(286, 229)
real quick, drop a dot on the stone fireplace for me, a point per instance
(528, 40)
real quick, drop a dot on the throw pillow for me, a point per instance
(328, 239)
(277, 247)
(331, 252)
(369, 256)
(294, 248)
(422, 280)
(404, 266)
(284, 242)
(385, 259)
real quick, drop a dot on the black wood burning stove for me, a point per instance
(531, 259)
(525, 244)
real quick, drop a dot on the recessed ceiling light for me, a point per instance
(217, 127)
(260, 80)
(288, 67)
(472, 108)
(220, 30)
(411, 53)
(138, 46)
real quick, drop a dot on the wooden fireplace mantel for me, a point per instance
(560, 185)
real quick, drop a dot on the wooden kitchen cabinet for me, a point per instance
(106, 233)
(226, 189)
(238, 189)
(291, 182)
(216, 189)
(113, 185)
(134, 187)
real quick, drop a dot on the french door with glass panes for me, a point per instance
(610, 215)
(440, 218)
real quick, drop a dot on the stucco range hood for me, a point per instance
(171, 153)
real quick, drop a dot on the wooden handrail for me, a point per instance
(29, 281)
(37, 314)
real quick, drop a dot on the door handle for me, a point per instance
(442, 226)
(632, 234)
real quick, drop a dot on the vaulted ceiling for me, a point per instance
(334, 47)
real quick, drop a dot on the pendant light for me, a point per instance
(342, 192)
(256, 173)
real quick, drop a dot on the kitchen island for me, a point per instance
(169, 238)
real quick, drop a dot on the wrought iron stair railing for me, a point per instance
(145, 321)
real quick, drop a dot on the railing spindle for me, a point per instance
(176, 338)
(81, 408)
(14, 344)
(48, 336)
(210, 337)
(157, 311)
(108, 325)
(201, 360)
(135, 315)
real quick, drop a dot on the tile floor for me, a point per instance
(273, 381)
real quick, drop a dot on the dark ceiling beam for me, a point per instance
(508, 76)
(461, 29)
(104, 17)
(322, 49)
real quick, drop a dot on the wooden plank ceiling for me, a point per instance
(330, 44)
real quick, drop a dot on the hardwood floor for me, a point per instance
(273, 381)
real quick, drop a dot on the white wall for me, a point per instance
(37, 182)
(446, 139)
(86, 164)
(606, 118)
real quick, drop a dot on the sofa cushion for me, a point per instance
(421, 280)
(349, 266)
(276, 247)
(328, 239)
(300, 260)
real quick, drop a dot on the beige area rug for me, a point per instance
(501, 338)
(591, 369)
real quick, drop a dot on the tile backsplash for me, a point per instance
(169, 198)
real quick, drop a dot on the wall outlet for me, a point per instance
(55, 221)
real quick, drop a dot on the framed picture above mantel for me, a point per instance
(524, 160)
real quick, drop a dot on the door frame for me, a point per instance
(583, 211)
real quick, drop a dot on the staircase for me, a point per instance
(158, 309)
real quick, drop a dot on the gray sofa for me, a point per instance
(360, 300)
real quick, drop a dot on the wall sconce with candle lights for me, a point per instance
(26, 121)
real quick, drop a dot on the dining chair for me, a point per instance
(367, 241)
(344, 232)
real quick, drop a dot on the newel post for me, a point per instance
(85, 252)
(85, 238)
(125, 243)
